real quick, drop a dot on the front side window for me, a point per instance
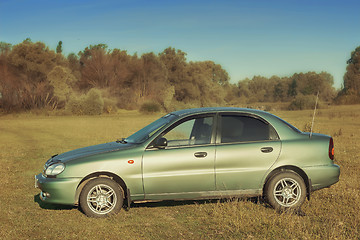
(195, 131)
(244, 129)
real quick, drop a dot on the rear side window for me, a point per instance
(289, 125)
(244, 129)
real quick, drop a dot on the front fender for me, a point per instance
(127, 165)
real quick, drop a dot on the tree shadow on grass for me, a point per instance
(170, 203)
(51, 206)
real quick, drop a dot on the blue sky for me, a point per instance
(246, 37)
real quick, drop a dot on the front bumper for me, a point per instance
(57, 190)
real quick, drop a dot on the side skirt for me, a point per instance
(203, 195)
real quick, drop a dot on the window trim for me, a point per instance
(182, 120)
(219, 130)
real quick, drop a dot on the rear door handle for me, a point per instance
(200, 154)
(267, 149)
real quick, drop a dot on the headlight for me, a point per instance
(54, 169)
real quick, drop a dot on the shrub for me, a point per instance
(93, 103)
(90, 104)
(109, 105)
(177, 105)
(347, 99)
(74, 105)
(150, 107)
(126, 99)
(166, 97)
(62, 81)
(302, 102)
(307, 127)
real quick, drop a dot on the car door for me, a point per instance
(247, 146)
(185, 167)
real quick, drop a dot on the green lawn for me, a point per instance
(27, 141)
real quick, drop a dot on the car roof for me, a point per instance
(282, 127)
(191, 111)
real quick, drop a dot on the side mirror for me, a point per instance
(161, 143)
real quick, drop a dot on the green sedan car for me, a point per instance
(203, 153)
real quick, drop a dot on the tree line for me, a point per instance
(99, 79)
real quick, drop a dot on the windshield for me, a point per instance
(148, 131)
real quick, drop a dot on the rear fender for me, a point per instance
(297, 170)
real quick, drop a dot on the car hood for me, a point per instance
(91, 150)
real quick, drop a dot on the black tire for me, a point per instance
(101, 197)
(286, 190)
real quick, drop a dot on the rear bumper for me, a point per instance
(57, 190)
(323, 176)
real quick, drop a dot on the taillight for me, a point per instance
(331, 149)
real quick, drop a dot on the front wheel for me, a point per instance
(101, 197)
(285, 190)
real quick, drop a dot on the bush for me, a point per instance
(302, 102)
(90, 104)
(347, 99)
(93, 103)
(166, 97)
(177, 105)
(109, 105)
(126, 99)
(307, 127)
(74, 105)
(150, 107)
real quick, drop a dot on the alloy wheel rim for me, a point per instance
(101, 199)
(287, 192)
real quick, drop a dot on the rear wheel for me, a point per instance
(101, 197)
(286, 190)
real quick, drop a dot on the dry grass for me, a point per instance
(27, 141)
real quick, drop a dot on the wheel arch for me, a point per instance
(295, 169)
(91, 176)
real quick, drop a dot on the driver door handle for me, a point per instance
(267, 149)
(200, 154)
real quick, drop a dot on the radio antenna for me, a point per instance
(312, 123)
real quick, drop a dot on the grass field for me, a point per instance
(27, 141)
